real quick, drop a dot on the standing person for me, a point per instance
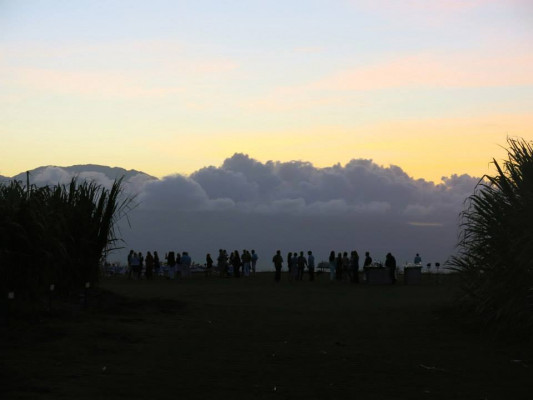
(254, 261)
(141, 265)
(157, 264)
(171, 262)
(130, 266)
(354, 266)
(418, 259)
(222, 263)
(390, 262)
(179, 274)
(149, 262)
(294, 266)
(289, 264)
(278, 263)
(332, 265)
(230, 264)
(367, 263)
(345, 264)
(246, 260)
(208, 264)
(236, 262)
(368, 260)
(338, 267)
(135, 265)
(185, 264)
(311, 265)
(302, 262)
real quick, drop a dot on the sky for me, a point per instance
(171, 87)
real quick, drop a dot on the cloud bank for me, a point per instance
(292, 206)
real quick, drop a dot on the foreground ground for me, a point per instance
(250, 338)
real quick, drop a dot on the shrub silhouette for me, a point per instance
(495, 259)
(56, 234)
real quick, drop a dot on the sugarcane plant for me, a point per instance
(57, 234)
(496, 241)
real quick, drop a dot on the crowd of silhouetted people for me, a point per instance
(341, 265)
(179, 265)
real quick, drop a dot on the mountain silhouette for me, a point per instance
(111, 173)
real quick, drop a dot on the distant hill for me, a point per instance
(51, 175)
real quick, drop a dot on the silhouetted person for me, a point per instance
(230, 258)
(311, 265)
(222, 262)
(246, 261)
(338, 267)
(186, 262)
(140, 266)
(135, 266)
(390, 262)
(367, 263)
(302, 262)
(157, 264)
(130, 266)
(345, 271)
(255, 257)
(418, 259)
(171, 262)
(332, 264)
(208, 264)
(354, 267)
(179, 272)
(278, 263)
(149, 263)
(294, 266)
(236, 262)
(289, 264)
(368, 260)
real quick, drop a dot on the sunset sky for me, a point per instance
(166, 87)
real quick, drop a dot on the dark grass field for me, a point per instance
(251, 338)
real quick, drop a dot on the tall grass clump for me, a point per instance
(495, 256)
(85, 222)
(56, 235)
(22, 228)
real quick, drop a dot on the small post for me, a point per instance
(10, 298)
(52, 288)
(28, 184)
(86, 294)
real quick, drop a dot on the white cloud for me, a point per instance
(292, 206)
(295, 206)
(51, 175)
